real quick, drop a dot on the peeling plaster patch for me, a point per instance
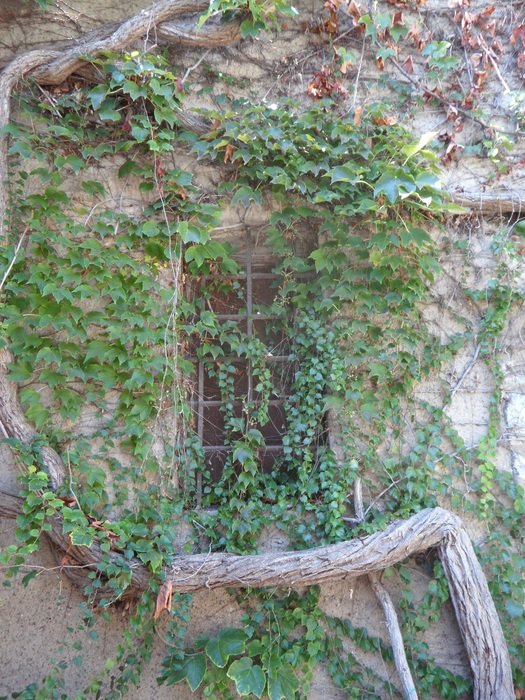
(518, 467)
(469, 413)
(514, 413)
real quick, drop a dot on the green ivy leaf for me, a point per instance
(282, 682)
(248, 677)
(140, 133)
(413, 148)
(229, 642)
(195, 670)
(150, 229)
(134, 90)
(514, 609)
(388, 185)
(107, 111)
(97, 95)
(376, 369)
(192, 234)
(242, 454)
(345, 173)
(81, 537)
(414, 235)
(93, 187)
(126, 168)
(28, 577)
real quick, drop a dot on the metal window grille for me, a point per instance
(256, 288)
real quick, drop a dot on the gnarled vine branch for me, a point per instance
(476, 615)
(50, 67)
(431, 528)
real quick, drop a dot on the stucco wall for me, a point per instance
(36, 620)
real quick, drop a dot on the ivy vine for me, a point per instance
(97, 320)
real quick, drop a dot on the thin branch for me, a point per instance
(190, 69)
(396, 638)
(470, 364)
(13, 260)
(356, 84)
(389, 611)
(440, 98)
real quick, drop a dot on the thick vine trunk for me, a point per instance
(477, 617)
(491, 202)
(480, 627)
(436, 528)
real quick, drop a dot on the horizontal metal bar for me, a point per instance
(238, 360)
(214, 402)
(226, 448)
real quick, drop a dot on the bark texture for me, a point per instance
(490, 203)
(392, 623)
(477, 617)
(396, 638)
(431, 528)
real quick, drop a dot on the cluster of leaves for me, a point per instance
(450, 63)
(255, 16)
(95, 297)
(273, 654)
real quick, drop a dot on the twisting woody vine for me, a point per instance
(371, 193)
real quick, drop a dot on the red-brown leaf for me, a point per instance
(398, 20)
(408, 65)
(518, 34)
(228, 153)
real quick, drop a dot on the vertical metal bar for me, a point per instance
(200, 425)
(249, 307)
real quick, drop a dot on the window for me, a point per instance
(242, 303)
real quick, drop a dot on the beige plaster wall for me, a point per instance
(35, 621)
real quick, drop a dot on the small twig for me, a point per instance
(389, 611)
(356, 84)
(194, 67)
(396, 638)
(469, 67)
(13, 260)
(51, 101)
(71, 482)
(358, 499)
(383, 492)
(490, 56)
(470, 364)
(496, 68)
(198, 570)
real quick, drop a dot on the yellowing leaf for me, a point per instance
(414, 148)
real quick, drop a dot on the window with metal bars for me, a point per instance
(244, 303)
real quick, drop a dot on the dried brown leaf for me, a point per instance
(228, 153)
(475, 59)
(385, 121)
(408, 64)
(164, 597)
(518, 34)
(398, 19)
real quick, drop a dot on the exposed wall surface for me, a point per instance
(36, 620)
